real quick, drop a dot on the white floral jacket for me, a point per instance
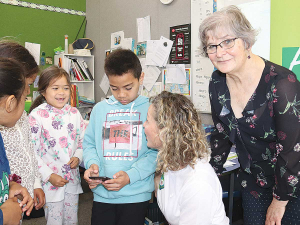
(57, 137)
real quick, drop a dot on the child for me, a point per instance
(115, 146)
(12, 102)
(57, 133)
(17, 139)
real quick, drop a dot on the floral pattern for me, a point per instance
(266, 137)
(57, 136)
(20, 153)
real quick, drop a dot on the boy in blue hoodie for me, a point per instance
(115, 146)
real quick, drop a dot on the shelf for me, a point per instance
(73, 55)
(82, 81)
(85, 87)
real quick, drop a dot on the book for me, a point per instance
(75, 72)
(80, 69)
(87, 70)
(73, 95)
(84, 99)
(77, 95)
(73, 75)
(82, 78)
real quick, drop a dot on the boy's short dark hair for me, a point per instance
(122, 61)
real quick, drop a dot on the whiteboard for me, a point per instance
(202, 67)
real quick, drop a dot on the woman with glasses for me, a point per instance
(256, 106)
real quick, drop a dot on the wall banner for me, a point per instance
(42, 7)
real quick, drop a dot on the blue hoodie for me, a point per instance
(107, 143)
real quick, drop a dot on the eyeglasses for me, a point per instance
(226, 44)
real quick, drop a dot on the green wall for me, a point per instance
(285, 16)
(43, 27)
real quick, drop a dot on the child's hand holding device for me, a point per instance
(120, 179)
(93, 171)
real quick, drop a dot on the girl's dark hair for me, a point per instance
(12, 80)
(47, 77)
(16, 51)
(122, 61)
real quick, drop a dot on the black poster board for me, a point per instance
(181, 49)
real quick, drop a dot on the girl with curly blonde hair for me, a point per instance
(188, 190)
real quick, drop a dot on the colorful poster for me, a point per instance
(141, 49)
(184, 89)
(291, 59)
(181, 49)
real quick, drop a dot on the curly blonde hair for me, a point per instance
(180, 130)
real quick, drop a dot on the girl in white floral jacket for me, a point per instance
(57, 130)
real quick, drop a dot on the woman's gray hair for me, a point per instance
(230, 19)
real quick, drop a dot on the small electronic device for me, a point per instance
(100, 178)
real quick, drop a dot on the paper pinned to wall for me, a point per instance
(151, 46)
(143, 63)
(35, 51)
(156, 89)
(104, 84)
(143, 29)
(151, 75)
(116, 39)
(175, 74)
(184, 89)
(127, 43)
(162, 51)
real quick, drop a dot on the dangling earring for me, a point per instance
(249, 57)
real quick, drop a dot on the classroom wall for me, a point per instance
(43, 27)
(285, 16)
(106, 17)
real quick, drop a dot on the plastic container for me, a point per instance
(66, 44)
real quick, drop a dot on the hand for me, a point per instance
(16, 190)
(74, 162)
(12, 212)
(93, 171)
(275, 212)
(39, 198)
(57, 180)
(121, 179)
